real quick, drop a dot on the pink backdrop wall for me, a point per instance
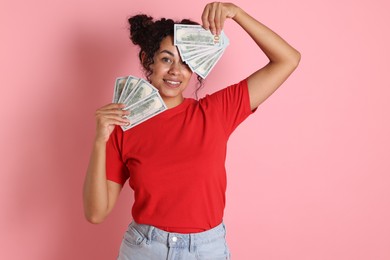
(308, 172)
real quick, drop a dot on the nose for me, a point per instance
(175, 68)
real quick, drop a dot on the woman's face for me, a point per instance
(170, 75)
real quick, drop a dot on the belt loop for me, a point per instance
(191, 243)
(149, 235)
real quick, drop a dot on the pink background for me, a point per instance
(308, 173)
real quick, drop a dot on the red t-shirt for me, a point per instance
(175, 161)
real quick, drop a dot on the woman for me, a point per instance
(175, 161)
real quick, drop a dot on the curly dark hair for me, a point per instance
(148, 34)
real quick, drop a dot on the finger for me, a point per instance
(110, 108)
(103, 117)
(118, 118)
(112, 119)
(205, 16)
(112, 111)
(219, 19)
(106, 121)
(211, 18)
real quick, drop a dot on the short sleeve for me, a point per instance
(233, 104)
(116, 169)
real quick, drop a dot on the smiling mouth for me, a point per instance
(172, 83)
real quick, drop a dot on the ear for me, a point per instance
(143, 56)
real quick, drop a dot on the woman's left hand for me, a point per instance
(215, 14)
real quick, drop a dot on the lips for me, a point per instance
(172, 83)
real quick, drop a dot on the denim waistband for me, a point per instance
(178, 239)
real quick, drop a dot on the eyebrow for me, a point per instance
(168, 52)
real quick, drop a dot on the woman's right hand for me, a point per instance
(107, 117)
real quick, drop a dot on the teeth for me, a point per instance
(172, 82)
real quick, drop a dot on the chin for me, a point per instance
(170, 94)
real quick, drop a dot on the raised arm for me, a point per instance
(283, 59)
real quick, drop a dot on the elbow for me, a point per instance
(94, 218)
(291, 61)
(295, 59)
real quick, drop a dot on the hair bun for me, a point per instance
(140, 26)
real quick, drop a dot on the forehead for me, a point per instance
(167, 44)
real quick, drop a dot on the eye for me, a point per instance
(166, 60)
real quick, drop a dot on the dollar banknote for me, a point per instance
(204, 69)
(199, 48)
(144, 110)
(140, 97)
(189, 55)
(197, 61)
(129, 88)
(141, 90)
(118, 88)
(195, 35)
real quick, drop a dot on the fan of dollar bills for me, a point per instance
(140, 97)
(199, 48)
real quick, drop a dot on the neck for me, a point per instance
(173, 102)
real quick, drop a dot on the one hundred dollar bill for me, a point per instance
(189, 55)
(119, 85)
(144, 110)
(199, 48)
(130, 85)
(142, 90)
(190, 48)
(140, 97)
(198, 61)
(195, 35)
(204, 69)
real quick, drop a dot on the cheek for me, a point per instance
(188, 74)
(156, 71)
(160, 69)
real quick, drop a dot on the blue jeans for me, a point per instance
(144, 242)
